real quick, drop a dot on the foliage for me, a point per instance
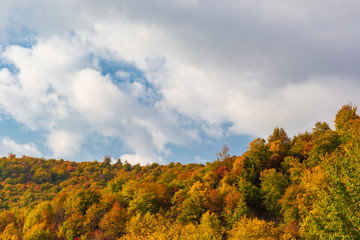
(254, 229)
(273, 186)
(307, 187)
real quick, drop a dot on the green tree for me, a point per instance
(335, 210)
(83, 199)
(279, 134)
(253, 161)
(273, 186)
(143, 202)
(41, 176)
(117, 183)
(192, 209)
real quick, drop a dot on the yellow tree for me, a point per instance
(114, 222)
(254, 229)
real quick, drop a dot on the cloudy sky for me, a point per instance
(170, 80)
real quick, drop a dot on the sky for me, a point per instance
(170, 80)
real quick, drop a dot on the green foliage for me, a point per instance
(235, 207)
(144, 202)
(82, 200)
(41, 176)
(117, 183)
(73, 226)
(335, 212)
(192, 209)
(251, 193)
(279, 134)
(273, 186)
(42, 215)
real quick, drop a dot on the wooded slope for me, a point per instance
(307, 187)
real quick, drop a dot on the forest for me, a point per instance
(304, 187)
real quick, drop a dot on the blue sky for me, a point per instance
(170, 81)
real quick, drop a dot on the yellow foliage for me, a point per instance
(314, 180)
(199, 187)
(239, 164)
(152, 227)
(6, 218)
(254, 229)
(10, 232)
(114, 221)
(276, 147)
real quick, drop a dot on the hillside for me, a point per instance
(305, 187)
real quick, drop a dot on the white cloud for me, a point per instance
(96, 97)
(142, 159)
(252, 65)
(64, 144)
(67, 97)
(7, 145)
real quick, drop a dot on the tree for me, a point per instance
(39, 232)
(224, 154)
(144, 201)
(192, 209)
(209, 228)
(344, 115)
(323, 142)
(83, 199)
(10, 233)
(251, 193)
(117, 183)
(107, 161)
(6, 218)
(73, 227)
(254, 229)
(335, 210)
(273, 186)
(321, 127)
(139, 227)
(41, 176)
(278, 143)
(279, 134)
(42, 215)
(235, 207)
(114, 222)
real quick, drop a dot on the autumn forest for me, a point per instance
(304, 187)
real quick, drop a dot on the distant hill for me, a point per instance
(307, 187)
